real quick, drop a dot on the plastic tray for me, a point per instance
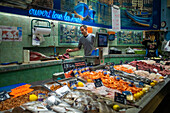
(36, 87)
(8, 88)
(140, 52)
(49, 84)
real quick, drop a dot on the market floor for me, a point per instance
(164, 106)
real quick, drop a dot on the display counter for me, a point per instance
(146, 104)
(149, 102)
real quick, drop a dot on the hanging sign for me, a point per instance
(116, 18)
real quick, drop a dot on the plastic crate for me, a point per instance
(95, 52)
(8, 88)
(143, 52)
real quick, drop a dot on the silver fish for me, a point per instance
(59, 109)
(69, 101)
(69, 109)
(64, 104)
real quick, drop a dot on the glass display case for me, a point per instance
(129, 37)
(69, 34)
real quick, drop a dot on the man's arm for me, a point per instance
(75, 49)
(72, 50)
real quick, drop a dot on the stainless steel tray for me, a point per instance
(40, 87)
(58, 75)
(66, 80)
(71, 78)
(133, 77)
(36, 87)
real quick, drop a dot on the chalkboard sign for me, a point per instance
(72, 65)
(121, 98)
(98, 82)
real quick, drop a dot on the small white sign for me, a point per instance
(116, 18)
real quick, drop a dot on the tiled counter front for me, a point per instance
(27, 73)
(124, 57)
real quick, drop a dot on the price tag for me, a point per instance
(121, 98)
(161, 68)
(68, 66)
(73, 81)
(73, 65)
(98, 82)
(63, 90)
(112, 71)
(136, 67)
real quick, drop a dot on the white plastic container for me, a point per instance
(26, 56)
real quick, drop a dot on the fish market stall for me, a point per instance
(106, 88)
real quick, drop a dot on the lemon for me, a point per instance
(80, 84)
(152, 84)
(155, 81)
(138, 95)
(33, 97)
(144, 90)
(129, 98)
(116, 107)
(161, 77)
(141, 93)
(89, 80)
(135, 96)
(147, 85)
